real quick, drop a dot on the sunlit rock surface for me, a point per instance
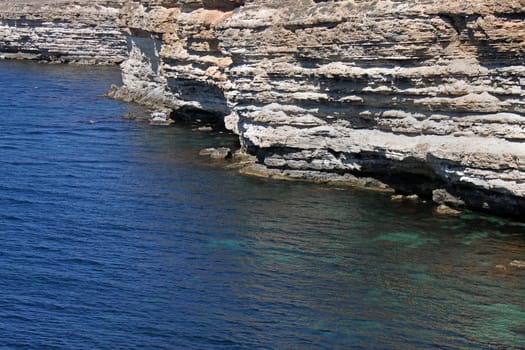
(423, 97)
(65, 31)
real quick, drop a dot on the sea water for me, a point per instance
(114, 234)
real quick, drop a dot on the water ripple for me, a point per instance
(115, 235)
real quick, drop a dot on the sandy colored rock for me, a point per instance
(64, 31)
(517, 263)
(445, 210)
(217, 153)
(418, 95)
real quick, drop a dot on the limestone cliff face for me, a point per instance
(68, 31)
(430, 91)
(175, 58)
(425, 96)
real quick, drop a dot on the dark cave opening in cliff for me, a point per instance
(196, 117)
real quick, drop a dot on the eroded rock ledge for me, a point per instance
(426, 97)
(62, 31)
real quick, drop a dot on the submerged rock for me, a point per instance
(160, 118)
(442, 196)
(517, 263)
(217, 153)
(499, 270)
(445, 210)
(400, 198)
(129, 116)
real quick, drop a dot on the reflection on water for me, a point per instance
(116, 235)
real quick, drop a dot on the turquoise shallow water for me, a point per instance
(116, 235)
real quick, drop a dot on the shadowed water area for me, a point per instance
(116, 235)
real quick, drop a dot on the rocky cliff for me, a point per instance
(176, 59)
(72, 31)
(424, 97)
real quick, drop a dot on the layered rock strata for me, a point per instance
(425, 96)
(175, 57)
(65, 31)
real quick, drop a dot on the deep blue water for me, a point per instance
(115, 235)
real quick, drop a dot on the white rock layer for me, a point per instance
(424, 96)
(66, 31)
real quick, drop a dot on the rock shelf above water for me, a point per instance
(421, 96)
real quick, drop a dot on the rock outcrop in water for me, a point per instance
(176, 57)
(425, 96)
(65, 31)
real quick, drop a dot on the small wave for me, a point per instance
(80, 261)
(7, 218)
(10, 200)
(9, 147)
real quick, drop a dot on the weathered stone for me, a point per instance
(517, 263)
(419, 95)
(160, 118)
(64, 31)
(442, 196)
(217, 153)
(431, 92)
(397, 197)
(400, 197)
(445, 210)
(499, 270)
(129, 116)
(174, 55)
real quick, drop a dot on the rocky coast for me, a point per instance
(416, 97)
(62, 31)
